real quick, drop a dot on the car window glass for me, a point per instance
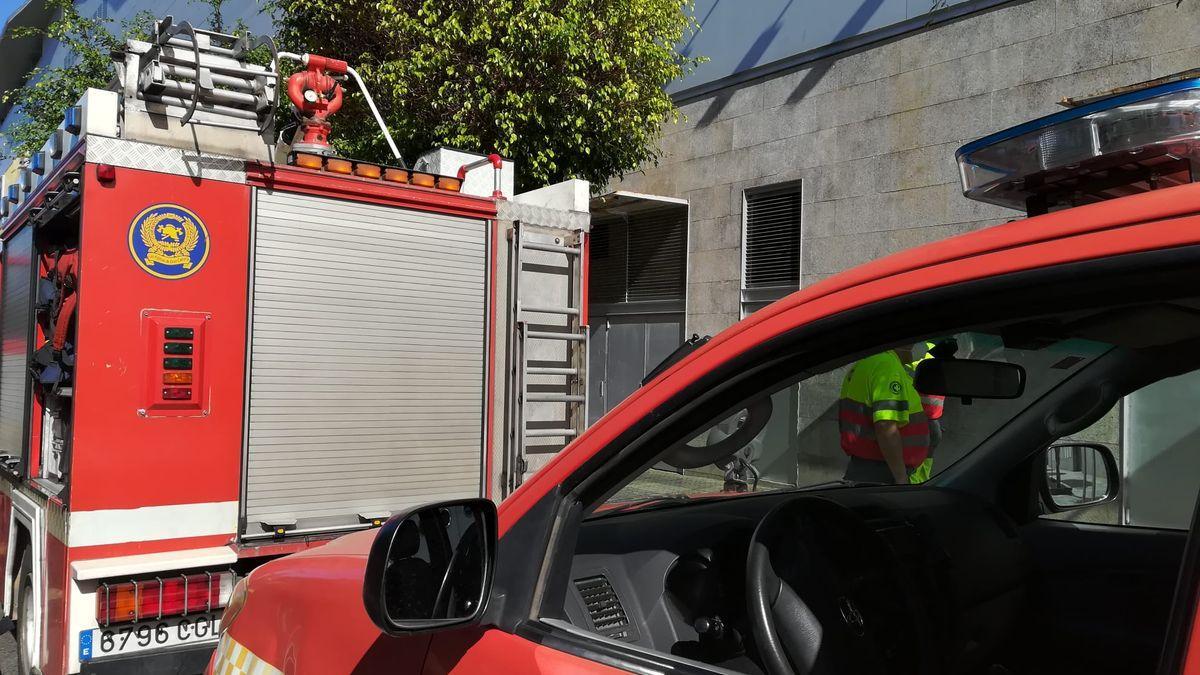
(1154, 433)
(792, 435)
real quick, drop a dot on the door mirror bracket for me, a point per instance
(431, 567)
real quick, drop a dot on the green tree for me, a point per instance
(569, 88)
(49, 91)
(216, 22)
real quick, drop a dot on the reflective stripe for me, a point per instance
(861, 430)
(234, 659)
(849, 405)
(934, 406)
(857, 433)
(889, 405)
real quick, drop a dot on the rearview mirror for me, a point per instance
(969, 378)
(1079, 475)
(431, 567)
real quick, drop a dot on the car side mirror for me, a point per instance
(1079, 475)
(431, 567)
(969, 378)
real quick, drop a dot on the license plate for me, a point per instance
(139, 637)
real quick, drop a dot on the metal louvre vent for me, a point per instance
(639, 256)
(773, 239)
(657, 260)
(609, 251)
(603, 607)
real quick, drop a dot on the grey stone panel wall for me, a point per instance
(872, 133)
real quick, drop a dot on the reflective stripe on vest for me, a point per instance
(857, 430)
(934, 406)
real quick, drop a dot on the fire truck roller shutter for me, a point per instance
(15, 325)
(367, 361)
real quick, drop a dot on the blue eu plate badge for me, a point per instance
(168, 241)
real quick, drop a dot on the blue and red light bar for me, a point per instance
(1111, 147)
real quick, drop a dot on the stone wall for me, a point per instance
(872, 133)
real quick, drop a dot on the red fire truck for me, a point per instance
(606, 562)
(219, 349)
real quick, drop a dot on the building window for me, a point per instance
(639, 259)
(771, 245)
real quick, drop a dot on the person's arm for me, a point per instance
(891, 444)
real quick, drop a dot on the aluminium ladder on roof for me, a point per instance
(548, 359)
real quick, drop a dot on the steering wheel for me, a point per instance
(827, 595)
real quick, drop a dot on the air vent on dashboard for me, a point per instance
(603, 607)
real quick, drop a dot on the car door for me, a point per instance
(970, 277)
(1108, 571)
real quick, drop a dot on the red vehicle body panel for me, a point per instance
(57, 584)
(322, 589)
(164, 460)
(130, 449)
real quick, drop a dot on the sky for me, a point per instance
(7, 7)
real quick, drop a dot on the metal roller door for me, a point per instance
(15, 325)
(367, 361)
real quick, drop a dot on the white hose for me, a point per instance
(378, 117)
(366, 94)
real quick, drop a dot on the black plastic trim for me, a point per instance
(520, 556)
(1184, 608)
(616, 655)
(178, 661)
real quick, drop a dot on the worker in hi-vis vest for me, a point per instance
(883, 426)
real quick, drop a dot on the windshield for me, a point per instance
(823, 427)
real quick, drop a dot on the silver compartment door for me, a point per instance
(367, 361)
(16, 316)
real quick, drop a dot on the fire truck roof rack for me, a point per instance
(198, 78)
(1142, 139)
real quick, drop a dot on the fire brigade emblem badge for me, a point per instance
(168, 241)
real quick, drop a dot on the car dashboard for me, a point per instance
(673, 579)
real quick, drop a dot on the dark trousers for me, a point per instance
(860, 470)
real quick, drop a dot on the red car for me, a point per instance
(711, 523)
(603, 562)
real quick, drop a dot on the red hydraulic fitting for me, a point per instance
(497, 163)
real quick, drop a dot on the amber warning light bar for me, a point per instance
(389, 174)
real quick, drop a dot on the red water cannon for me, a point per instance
(316, 94)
